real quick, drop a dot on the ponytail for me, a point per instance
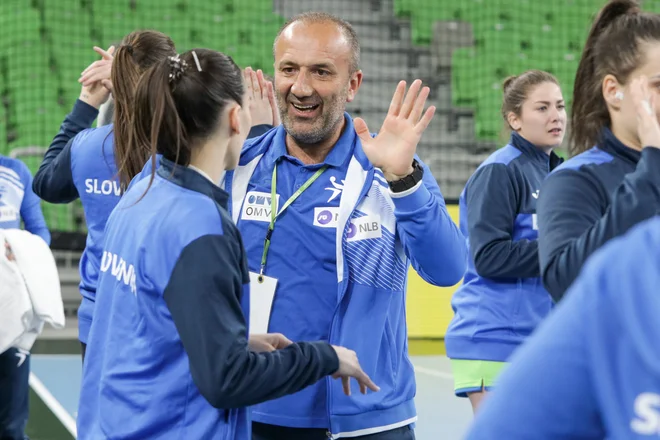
(599, 58)
(124, 76)
(137, 52)
(156, 124)
(179, 102)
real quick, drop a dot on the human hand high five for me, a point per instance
(261, 95)
(95, 79)
(393, 149)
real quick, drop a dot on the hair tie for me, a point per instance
(177, 67)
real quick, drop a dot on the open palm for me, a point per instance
(393, 149)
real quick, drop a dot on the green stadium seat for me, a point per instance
(47, 44)
(511, 36)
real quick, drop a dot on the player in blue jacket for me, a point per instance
(592, 369)
(502, 298)
(612, 182)
(333, 217)
(80, 162)
(172, 343)
(17, 203)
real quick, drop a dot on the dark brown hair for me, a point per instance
(613, 47)
(177, 106)
(137, 52)
(517, 88)
(324, 17)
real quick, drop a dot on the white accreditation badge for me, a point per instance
(262, 294)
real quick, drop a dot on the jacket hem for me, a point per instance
(479, 349)
(356, 425)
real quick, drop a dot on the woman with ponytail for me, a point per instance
(81, 161)
(171, 357)
(97, 164)
(612, 182)
(502, 298)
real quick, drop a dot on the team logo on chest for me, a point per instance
(336, 188)
(257, 206)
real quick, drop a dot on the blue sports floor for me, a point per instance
(55, 382)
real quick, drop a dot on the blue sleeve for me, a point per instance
(492, 199)
(547, 391)
(31, 213)
(53, 182)
(203, 296)
(574, 219)
(259, 130)
(432, 241)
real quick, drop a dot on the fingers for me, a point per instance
(273, 103)
(346, 384)
(283, 341)
(641, 96)
(426, 119)
(248, 80)
(107, 84)
(365, 381)
(420, 102)
(410, 105)
(361, 130)
(409, 100)
(397, 99)
(251, 84)
(107, 55)
(263, 88)
(95, 72)
(95, 76)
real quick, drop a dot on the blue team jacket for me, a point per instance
(502, 298)
(589, 199)
(171, 345)
(17, 201)
(80, 163)
(371, 279)
(592, 369)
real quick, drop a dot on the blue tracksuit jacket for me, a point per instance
(592, 369)
(171, 345)
(502, 298)
(589, 199)
(18, 202)
(340, 254)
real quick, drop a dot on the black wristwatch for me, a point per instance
(410, 180)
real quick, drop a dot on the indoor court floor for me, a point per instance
(55, 384)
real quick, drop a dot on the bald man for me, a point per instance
(354, 210)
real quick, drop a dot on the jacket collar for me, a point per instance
(190, 179)
(536, 154)
(615, 147)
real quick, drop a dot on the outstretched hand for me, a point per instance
(263, 107)
(95, 79)
(393, 149)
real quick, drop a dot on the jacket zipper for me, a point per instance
(363, 193)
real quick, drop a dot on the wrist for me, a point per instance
(87, 98)
(400, 183)
(391, 177)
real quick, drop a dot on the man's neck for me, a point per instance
(313, 153)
